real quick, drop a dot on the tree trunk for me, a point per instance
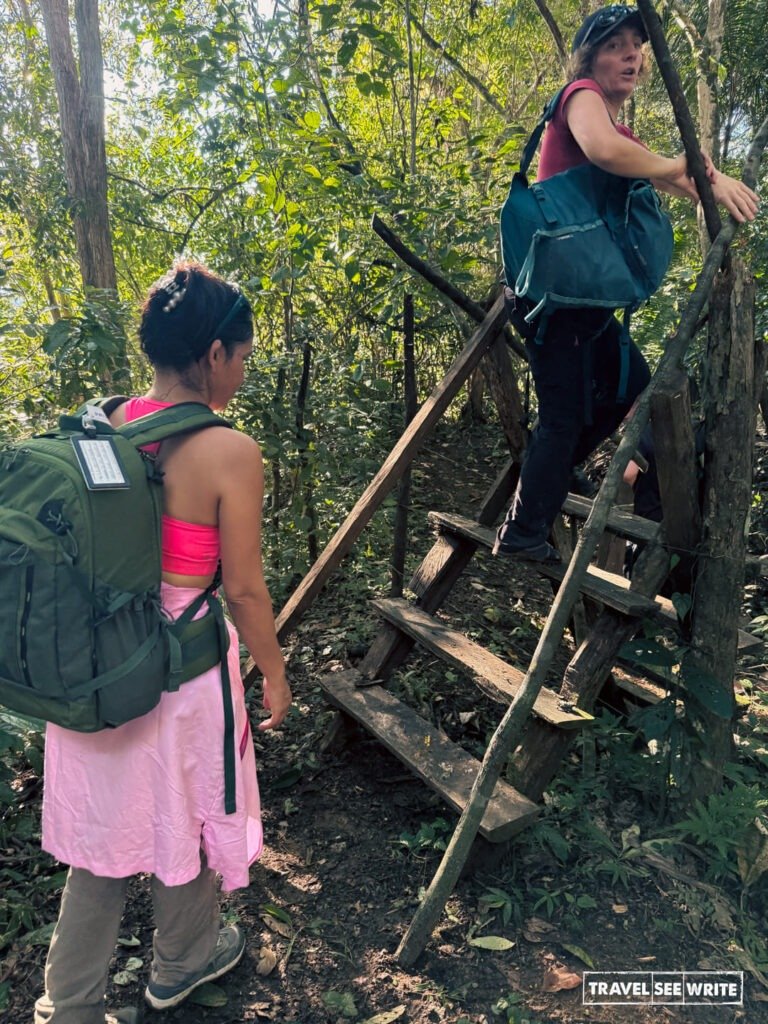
(707, 83)
(81, 113)
(706, 89)
(730, 429)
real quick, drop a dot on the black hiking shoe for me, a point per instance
(543, 553)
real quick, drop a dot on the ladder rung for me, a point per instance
(443, 765)
(602, 586)
(500, 680)
(624, 524)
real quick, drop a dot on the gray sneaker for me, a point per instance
(229, 950)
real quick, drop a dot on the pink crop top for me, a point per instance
(190, 549)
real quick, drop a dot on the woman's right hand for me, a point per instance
(678, 178)
(277, 699)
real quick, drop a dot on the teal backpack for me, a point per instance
(581, 239)
(84, 641)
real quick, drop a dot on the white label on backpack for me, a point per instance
(93, 414)
(100, 463)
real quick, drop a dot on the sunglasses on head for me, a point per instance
(606, 17)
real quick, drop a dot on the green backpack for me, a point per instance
(84, 641)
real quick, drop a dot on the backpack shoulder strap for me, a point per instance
(183, 418)
(107, 405)
(74, 421)
(533, 142)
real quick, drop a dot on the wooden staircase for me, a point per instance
(443, 765)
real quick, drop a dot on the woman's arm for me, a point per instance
(591, 126)
(242, 492)
(596, 134)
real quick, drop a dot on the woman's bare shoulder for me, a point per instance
(227, 446)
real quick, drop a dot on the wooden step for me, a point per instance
(623, 524)
(444, 766)
(494, 676)
(607, 587)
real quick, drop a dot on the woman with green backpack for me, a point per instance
(151, 796)
(576, 360)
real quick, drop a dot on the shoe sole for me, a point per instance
(166, 1004)
(524, 555)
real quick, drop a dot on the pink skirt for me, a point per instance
(147, 796)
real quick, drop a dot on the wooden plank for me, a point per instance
(493, 675)
(441, 764)
(436, 576)
(675, 450)
(606, 587)
(624, 524)
(396, 462)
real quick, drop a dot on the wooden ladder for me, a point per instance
(443, 765)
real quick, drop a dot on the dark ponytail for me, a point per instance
(186, 310)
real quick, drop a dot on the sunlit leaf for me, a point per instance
(494, 942)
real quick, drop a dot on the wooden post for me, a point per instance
(399, 543)
(730, 430)
(675, 449)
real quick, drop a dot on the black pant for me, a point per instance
(575, 371)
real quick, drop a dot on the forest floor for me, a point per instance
(352, 838)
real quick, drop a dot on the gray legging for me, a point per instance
(76, 971)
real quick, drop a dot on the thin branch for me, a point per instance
(686, 23)
(456, 64)
(682, 115)
(557, 35)
(474, 309)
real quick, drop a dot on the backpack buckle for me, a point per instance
(92, 417)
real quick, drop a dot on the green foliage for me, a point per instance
(430, 838)
(721, 826)
(511, 1010)
(29, 881)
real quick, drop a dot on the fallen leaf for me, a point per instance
(619, 908)
(128, 940)
(536, 929)
(494, 942)
(557, 979)
(125, 978)
(277, 926)
(722, 917)
(387, 1017)
(577, 951)
(208, 995)
(267, 961)
(133, 963)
